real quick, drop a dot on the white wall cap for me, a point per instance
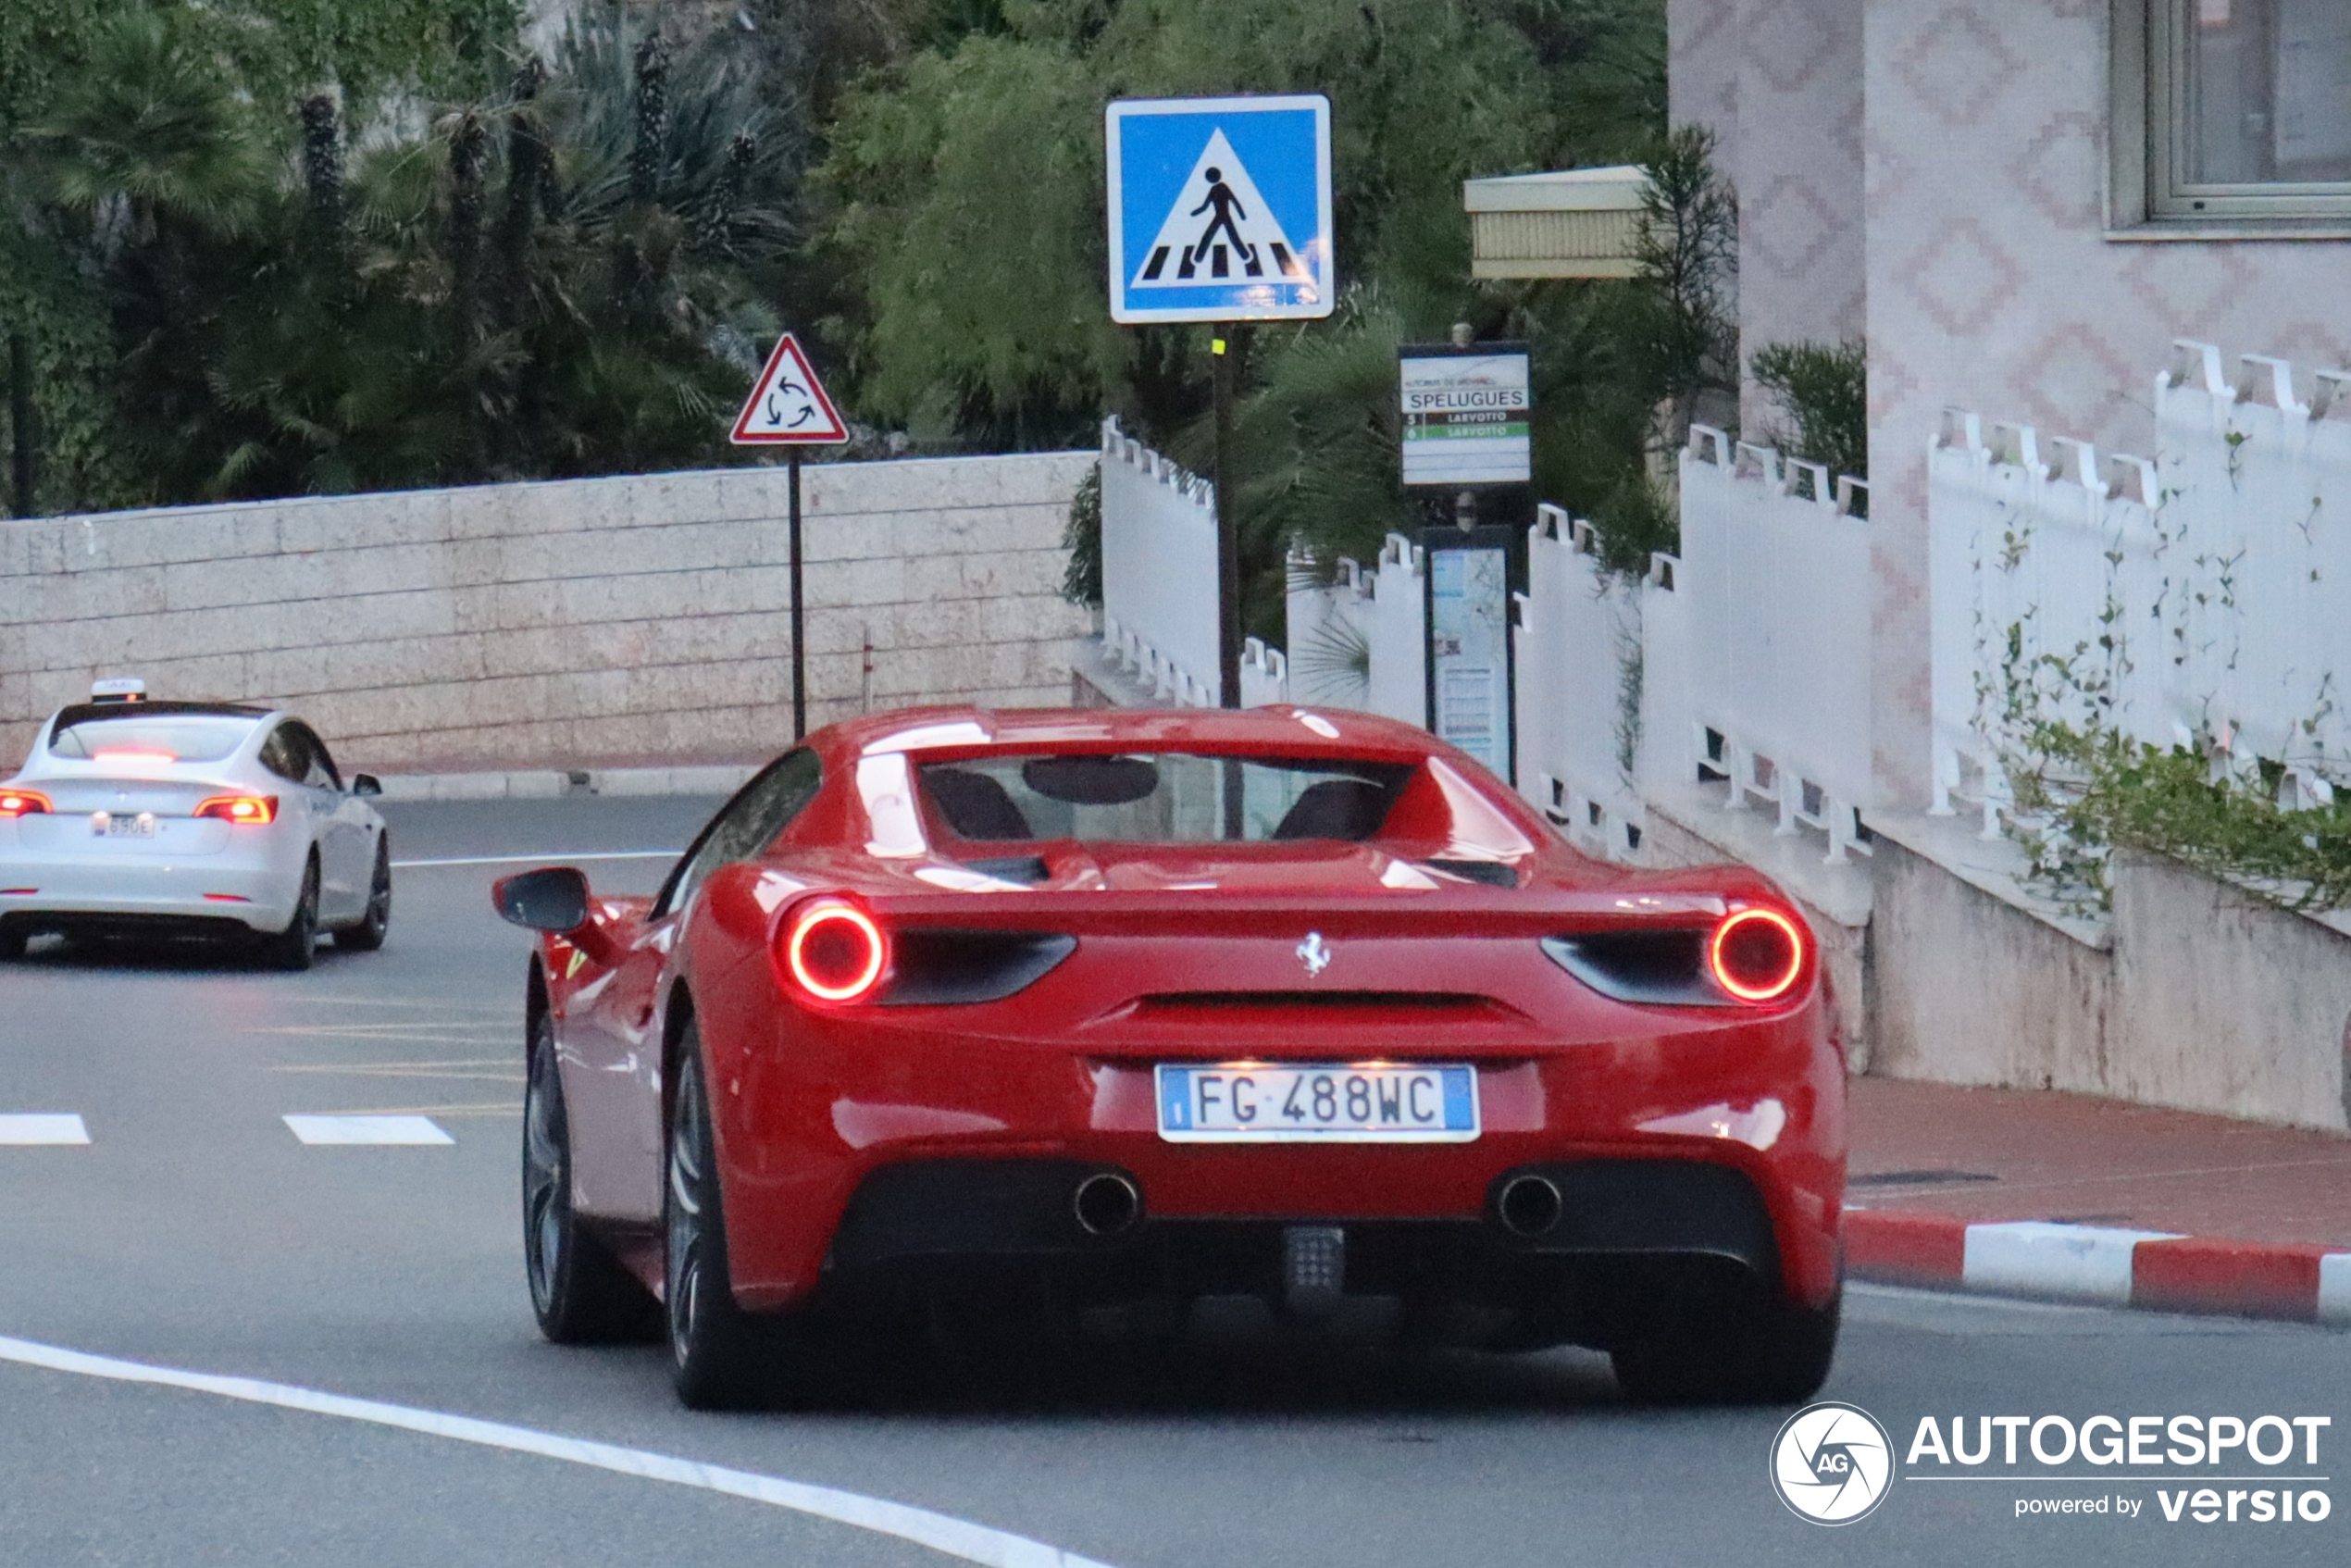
(1617, 188)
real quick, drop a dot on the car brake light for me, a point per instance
(833, 953)
(1757, 954)
(250, 811)
(22, 802)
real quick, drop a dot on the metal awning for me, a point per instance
(1568, 223)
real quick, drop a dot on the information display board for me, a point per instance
(1466, 413)
(1469, 644)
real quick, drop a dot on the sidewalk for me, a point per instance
(2073, 1197)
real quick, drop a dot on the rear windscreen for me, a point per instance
(1161, 797)
(151, 737)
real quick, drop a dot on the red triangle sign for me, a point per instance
(789, 404)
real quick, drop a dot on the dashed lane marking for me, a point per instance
(439, 1004)
(480, 1072)
(405, 1034)
(540, 859)
(487, 1108)
(941, 1533)
(32, 1130)
(381, 1129)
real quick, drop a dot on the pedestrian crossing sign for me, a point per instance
(1220, 209)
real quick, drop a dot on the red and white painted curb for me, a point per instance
(2149, 1269)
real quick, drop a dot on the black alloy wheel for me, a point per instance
(368, 935)
(580, 1292)
(715, 1354)
(297, 945)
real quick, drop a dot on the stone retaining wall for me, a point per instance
(559, 624)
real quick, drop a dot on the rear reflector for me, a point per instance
(250, 811)
(22, 802)
(833, 952)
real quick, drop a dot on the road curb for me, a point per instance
(2151, 1270)
(547, 784)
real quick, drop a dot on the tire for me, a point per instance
(1776, 1356)
(11, 943)
(368, 935)
(297, 945)
(578, 1291)
(715, 1354)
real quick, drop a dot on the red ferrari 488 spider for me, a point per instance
(1112, 1011)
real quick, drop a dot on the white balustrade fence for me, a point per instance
(2195, 598)
(1265, 675)
(1159, 573)
(1582, 688)
(1360, 640)
(1774, 587)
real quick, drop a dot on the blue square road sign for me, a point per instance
(1220, 209)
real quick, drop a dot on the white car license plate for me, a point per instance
(130, 827)
(1255, 1102)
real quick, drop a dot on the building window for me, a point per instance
(2244, 107)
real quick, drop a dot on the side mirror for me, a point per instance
(553, 899)
(365, 784)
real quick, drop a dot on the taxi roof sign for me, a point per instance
(788, 405)
(118, 689)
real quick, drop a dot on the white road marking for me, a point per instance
(495, 1108)
(30, 1131)
(326, 998)
(368, 1129)
(400, 1028)
(941, 1533)
(542, 859)
(501, 1074)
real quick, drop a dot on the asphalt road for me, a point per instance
(194, 1233)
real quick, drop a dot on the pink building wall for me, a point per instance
(1989, 280)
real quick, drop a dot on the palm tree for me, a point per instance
(149, 134)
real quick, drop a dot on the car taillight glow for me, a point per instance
(1757, 954)
(22, 802)
(834, 953)
(250, 811)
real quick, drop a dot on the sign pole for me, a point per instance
(799, 617)
(1228, 550)
(787, 407)
(1220, 215)
(20, 422)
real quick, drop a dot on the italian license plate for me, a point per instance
(1255, 1102)
(130, 828)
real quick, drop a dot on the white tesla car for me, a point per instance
(190, 819)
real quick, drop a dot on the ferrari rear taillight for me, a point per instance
(1756, 954)
(248, 810)
(832, 951)
(22, 802)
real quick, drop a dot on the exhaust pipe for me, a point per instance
(1529, 1205)
(1107, 1203)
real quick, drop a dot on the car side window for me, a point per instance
(284, 754)
(745, 824)
(320, 774)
